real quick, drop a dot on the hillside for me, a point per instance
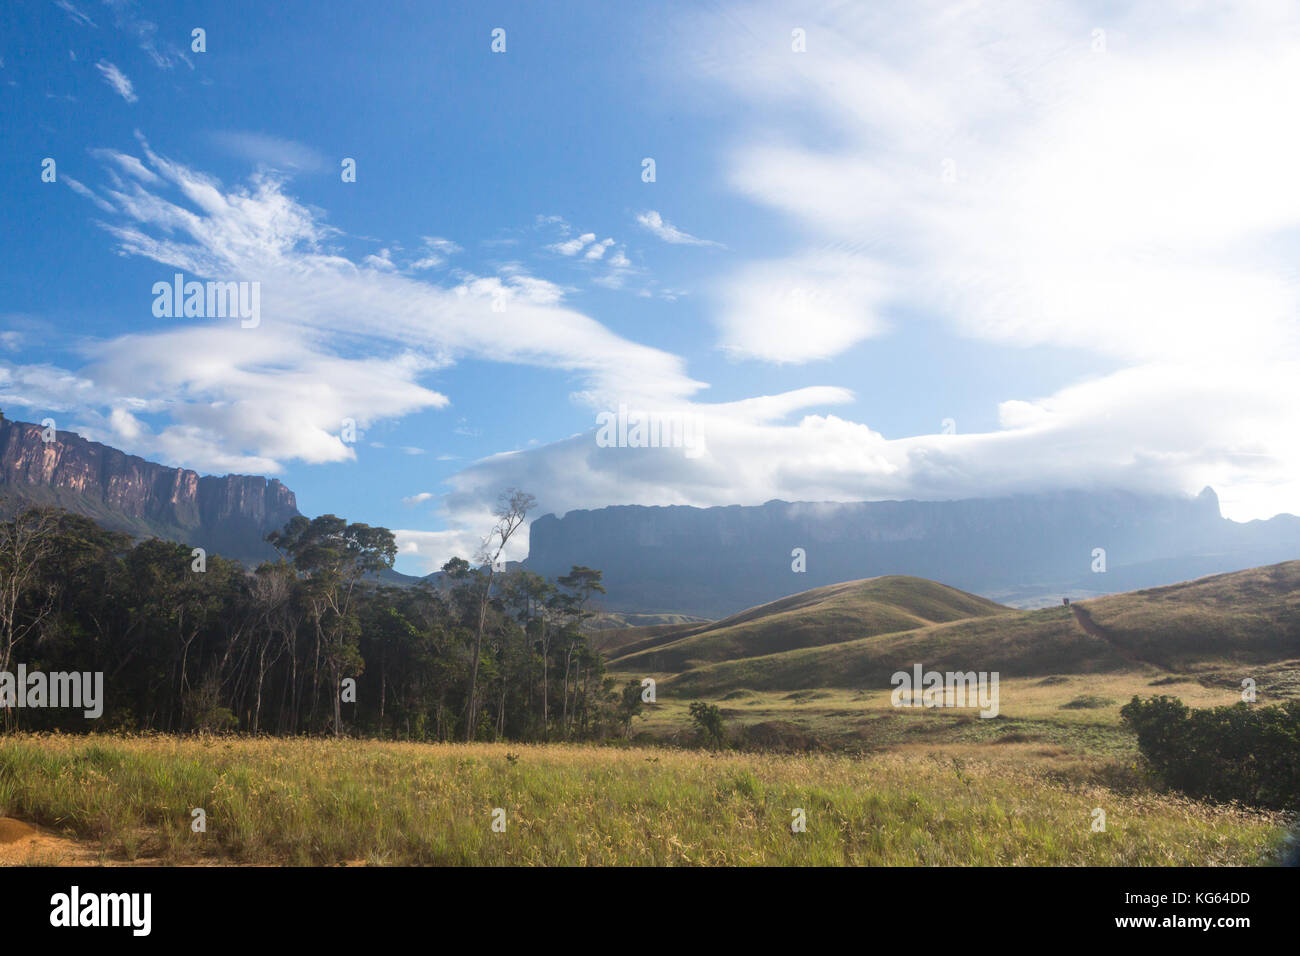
(1242, 617)
(826, 615)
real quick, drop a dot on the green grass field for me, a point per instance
(328, 802)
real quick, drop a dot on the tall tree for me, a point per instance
(512, 507)
(579, 585)
(335, 556)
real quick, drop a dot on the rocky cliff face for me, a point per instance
(226, 515)
(1026, 549)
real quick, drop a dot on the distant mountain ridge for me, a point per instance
(1028, 549)
(1024, 550)
(227, 515)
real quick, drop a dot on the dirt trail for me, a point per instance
(25, 844)
(1093, 629)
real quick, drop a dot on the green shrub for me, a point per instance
(1243, 753)
(708, 721)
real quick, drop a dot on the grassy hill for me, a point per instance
(827, 615)
(859, 633)
(806, 673)
(1246, 616)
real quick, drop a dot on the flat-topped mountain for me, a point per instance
(228, 515)
(1027, 550)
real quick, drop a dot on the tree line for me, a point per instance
(310, 643)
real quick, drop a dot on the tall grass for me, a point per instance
(322, 802)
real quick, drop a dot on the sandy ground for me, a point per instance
(23, 844)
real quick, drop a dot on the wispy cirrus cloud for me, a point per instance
(163, 53)
(254, 398)
(74, 14)
(669, 233)
(118, 80)
(275, 152)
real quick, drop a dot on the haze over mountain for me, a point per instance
(1025, 550)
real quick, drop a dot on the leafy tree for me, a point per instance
(630, 705)
(708, 721)
(335, 556)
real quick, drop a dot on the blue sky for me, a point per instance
(1070, 231)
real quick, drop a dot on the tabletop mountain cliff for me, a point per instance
(1026, 550)
(227, 515)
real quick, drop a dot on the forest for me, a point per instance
(312, 643)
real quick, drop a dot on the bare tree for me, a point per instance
(512, 506)
(25, 542)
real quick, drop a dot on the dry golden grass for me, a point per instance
(327, 802)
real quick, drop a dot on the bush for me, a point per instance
(1243, 753)
(708, 721)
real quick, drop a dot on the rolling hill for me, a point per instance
(858, 634)
(825, 615)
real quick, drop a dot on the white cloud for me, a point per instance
(572, 247)
(250, 399)
(597, 250)
(128, 164)
(668, 232)
(381, 260)
(418, 499)
(436, 252)
(117, 80)
(993, 171)
(983, 169)
(434, 547)
(81, 189)
(833, 300)
(165, 54)
(1158, 428)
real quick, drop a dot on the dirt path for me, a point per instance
(1093, 629)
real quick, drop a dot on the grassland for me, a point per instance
(1216, 630)
(328, 802)
(1076, 711)
(803, 684)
